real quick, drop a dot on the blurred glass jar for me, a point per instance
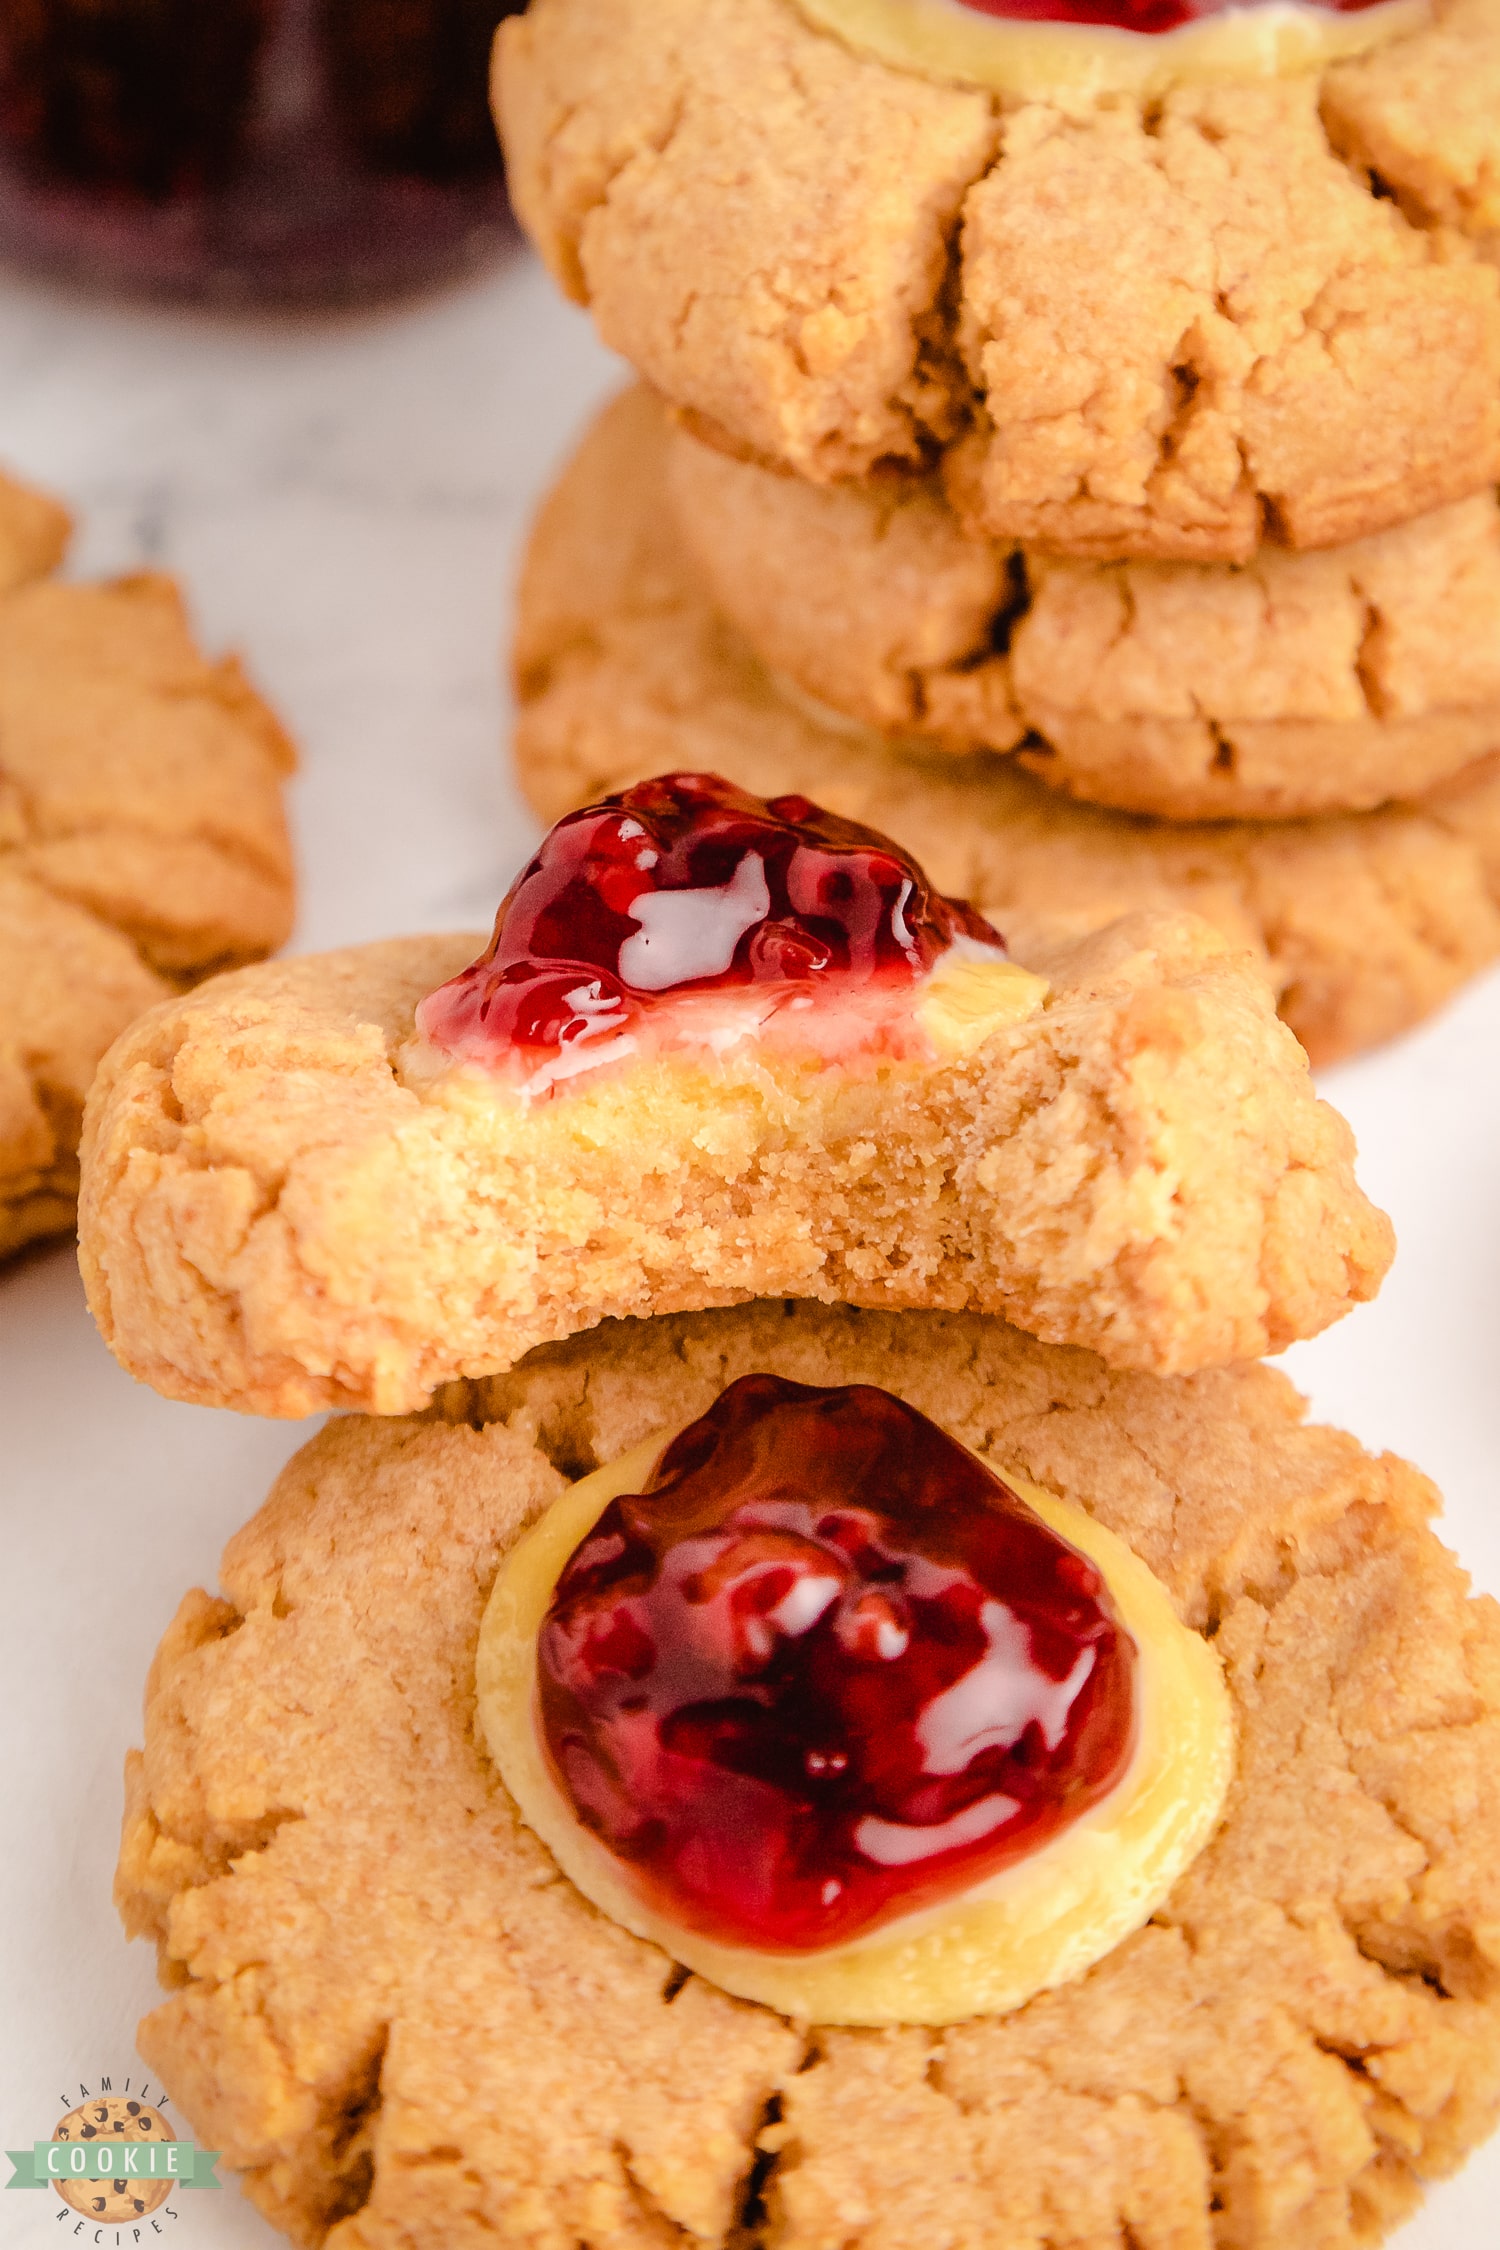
(250, 150)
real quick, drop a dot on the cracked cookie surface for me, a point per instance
(1294, 684)
(1159, 331)
(1365, 923)
(277, 1215)
(143, 842)
(397, 2020)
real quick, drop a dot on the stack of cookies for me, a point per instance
(1071, 448)
(817, 1697)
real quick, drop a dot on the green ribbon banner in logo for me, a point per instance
(48, 2163)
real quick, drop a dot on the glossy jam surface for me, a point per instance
(827, 1670)
(682, 889)
(1150, 16)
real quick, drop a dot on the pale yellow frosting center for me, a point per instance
(1043, 61)
(1037, 1924)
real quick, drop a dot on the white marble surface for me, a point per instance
(344, 501)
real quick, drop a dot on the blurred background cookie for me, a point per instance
(1291, 684)
(1365, 922)
(116, 2201)
(143, 839)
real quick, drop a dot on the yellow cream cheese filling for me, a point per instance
(1041, 61)
(1037, 1924)
(968, 995)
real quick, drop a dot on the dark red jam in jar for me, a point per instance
(1150, 16)
(250, 150)
(686, 885)
(826, 1670)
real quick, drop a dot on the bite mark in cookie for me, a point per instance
(292, 1200)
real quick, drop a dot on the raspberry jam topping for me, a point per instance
(827, 1669)
(1150, 16)
(682, 888)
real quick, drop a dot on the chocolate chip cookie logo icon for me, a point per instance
(115, 2160)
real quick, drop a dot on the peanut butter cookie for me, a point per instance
(399, 2022)
(1157, 325)
(1294, 684)
(292, 1200)
(143, 842)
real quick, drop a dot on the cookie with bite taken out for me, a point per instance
(718, 1047)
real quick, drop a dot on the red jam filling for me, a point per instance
(686, 886)
(825, 1670)
(1150, 16)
